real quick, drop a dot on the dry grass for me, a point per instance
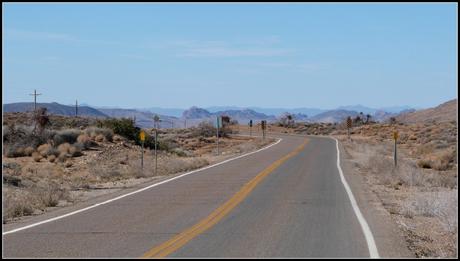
(424, 201)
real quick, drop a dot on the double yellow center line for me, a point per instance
(183, 238)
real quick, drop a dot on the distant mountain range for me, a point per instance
(54, 108)
(176, 117)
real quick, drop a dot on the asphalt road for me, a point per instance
(295, 208)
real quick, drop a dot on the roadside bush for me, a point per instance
(94, 132)
(66, 149)
(15, 152)
(124, 127)
(75, 151)
(44, 149)
(51, 158)
(204, 129)
(25, 136)
(36, 156)
(66, 136)
(84, 141)
(28, 151)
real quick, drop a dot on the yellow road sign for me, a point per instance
(395, 135)
(142, 135)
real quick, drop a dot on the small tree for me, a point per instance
(368, 118)
(286, 120)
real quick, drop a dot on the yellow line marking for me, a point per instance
(181, 239)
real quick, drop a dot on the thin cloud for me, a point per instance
(17, 34)
(33, 35)
(234, 52)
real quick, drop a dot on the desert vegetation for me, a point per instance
(421, 192)
(56, 166)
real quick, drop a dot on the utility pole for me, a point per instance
(76, 108)
(35, 94)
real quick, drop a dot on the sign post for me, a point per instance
(395, 137)
(264, 126)
(250, 128)
(142, 138)
(348, 126)
(156, 120)
(218, 125)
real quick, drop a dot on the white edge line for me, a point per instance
(137, 191)
(362, 221)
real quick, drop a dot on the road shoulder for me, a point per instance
(389, 239)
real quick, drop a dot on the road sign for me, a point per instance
(219, 122)
(349, 122)
(395, 135)
(250, 123)
(264, 126)
(142, 138)
(142, 135)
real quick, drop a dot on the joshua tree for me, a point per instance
(368, 118)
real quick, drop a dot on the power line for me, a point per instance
(35, 94)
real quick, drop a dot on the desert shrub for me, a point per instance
(48, 194)
(204, 129)
(66, 136)
(425, 163)
(117, 138)
(51, 158)
(63, 148)
(75, 151)
(28, 151)
(62, 157)
(94, 132)
(100, 138)
(442, 205)
(181, 152)
(85, 142)
(36, 156)
(15, 151)
(124, 127)
(44, 149)
(25, 136)
(16, 204)
(68, 164)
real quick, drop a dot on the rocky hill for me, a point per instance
(144, 119)
(444, 112)
(333, 116)
(195, 115)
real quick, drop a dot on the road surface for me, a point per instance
(285, 201)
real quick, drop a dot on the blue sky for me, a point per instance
(266, 55)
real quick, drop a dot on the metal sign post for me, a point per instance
(348, 126)
(250, 128)
(142, 138)
(395, 137)
(156, 138)
(218, 124)
(264, 126)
